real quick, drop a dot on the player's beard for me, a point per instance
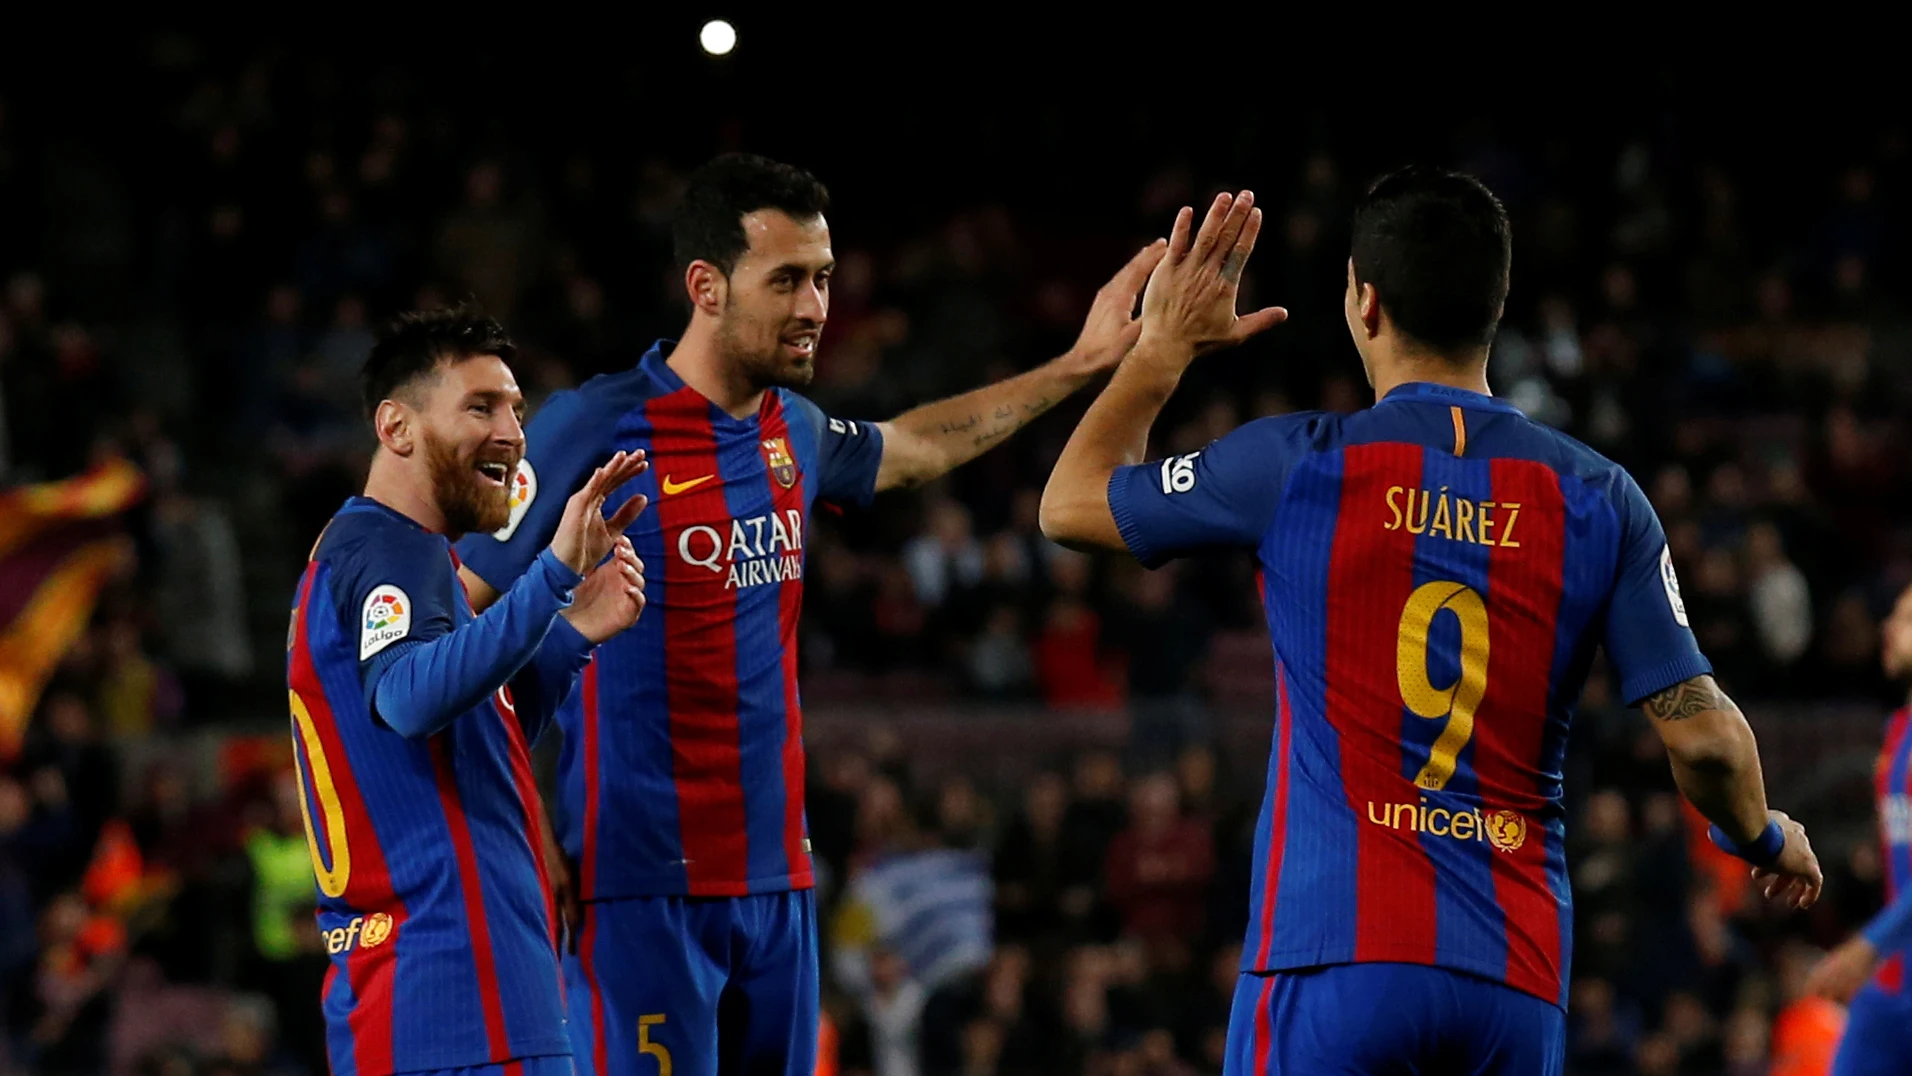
(763, 368)
(469, 504)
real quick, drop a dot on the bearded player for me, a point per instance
(1871, 965)
(411, 717)
(1437, 572)
(682, 771)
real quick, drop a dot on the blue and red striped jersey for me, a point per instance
(1437, 572)
(682, 771)
(433, 899)
(1893, 782)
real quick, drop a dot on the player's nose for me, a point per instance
(507, 428)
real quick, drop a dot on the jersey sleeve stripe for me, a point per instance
(789, 612)
(484, 956)
(1523, 606)
(1369, 576)
(700, 659)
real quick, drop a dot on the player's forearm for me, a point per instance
(930, 441)
(1714, 756)
(1113, 433)
(550, 676)
(428, 685)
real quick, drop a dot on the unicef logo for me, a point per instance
(1506, 831)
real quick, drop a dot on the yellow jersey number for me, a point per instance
(655, 1049)
(1458, 701)
(331, 882)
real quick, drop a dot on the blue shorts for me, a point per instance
(1878, 1038)
(695, 986)
(524, 1066)
(1375, 1019)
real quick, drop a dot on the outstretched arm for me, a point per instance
(934, 439)
(1716, 764)
(1188, 309)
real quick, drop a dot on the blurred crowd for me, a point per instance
(1737, 347)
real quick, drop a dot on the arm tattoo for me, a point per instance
(1688, 698)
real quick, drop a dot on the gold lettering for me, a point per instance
(1463, 521)
(1438, 828)
(1413, 527)
(1442, 524)
(1395, 523)
(1465, 825)
(1395, 813)
(1507, 532)
(1486, 523)
(1381, 821)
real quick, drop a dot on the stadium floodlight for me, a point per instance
(718, 37)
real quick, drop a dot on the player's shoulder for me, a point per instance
(1575, 460)
(1293, 435)
(366, 536)
(602, 396)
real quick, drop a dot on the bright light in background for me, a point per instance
(718, 37)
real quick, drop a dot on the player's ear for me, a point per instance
(1369, 302)
(395, 427)
(707, 287)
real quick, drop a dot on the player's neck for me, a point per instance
(1469, 373)
(697, 360)
(389, 485)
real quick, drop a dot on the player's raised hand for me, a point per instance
(1794, 879)
(1112, 326)
(584, 536)
(611, 598)
(1190, 297)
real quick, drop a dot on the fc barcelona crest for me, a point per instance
(776, 456)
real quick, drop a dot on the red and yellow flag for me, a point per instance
(59, 545)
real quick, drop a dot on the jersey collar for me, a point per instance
(656, 365)
(1447, 394)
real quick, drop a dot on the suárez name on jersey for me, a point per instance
(760, 549)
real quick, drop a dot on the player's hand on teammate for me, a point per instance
(1794, 879)
(1840, 973)
(1191, 294)
(611, 598)
(584, 536)
(1112, 326)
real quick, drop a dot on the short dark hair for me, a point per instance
(709, 222)
(1437, 247)
(415, 343)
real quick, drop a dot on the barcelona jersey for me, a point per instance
(682, 772)
(434, 905)
(1437, 572)
(1893, 781)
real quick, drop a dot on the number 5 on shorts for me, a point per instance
(655, 1049)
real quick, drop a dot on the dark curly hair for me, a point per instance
(415, 343)
(709, 222)
(1437, 247)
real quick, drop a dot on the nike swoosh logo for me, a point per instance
(671, 488)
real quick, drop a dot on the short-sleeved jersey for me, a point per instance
(1893, 784)
(1437, 572)
(682, 767)
(433, 900)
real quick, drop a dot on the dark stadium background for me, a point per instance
(197, 229)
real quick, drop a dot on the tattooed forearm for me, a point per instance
(962, 425)
(1689, 698)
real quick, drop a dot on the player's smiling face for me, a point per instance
(777, 299)
(473, 437)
